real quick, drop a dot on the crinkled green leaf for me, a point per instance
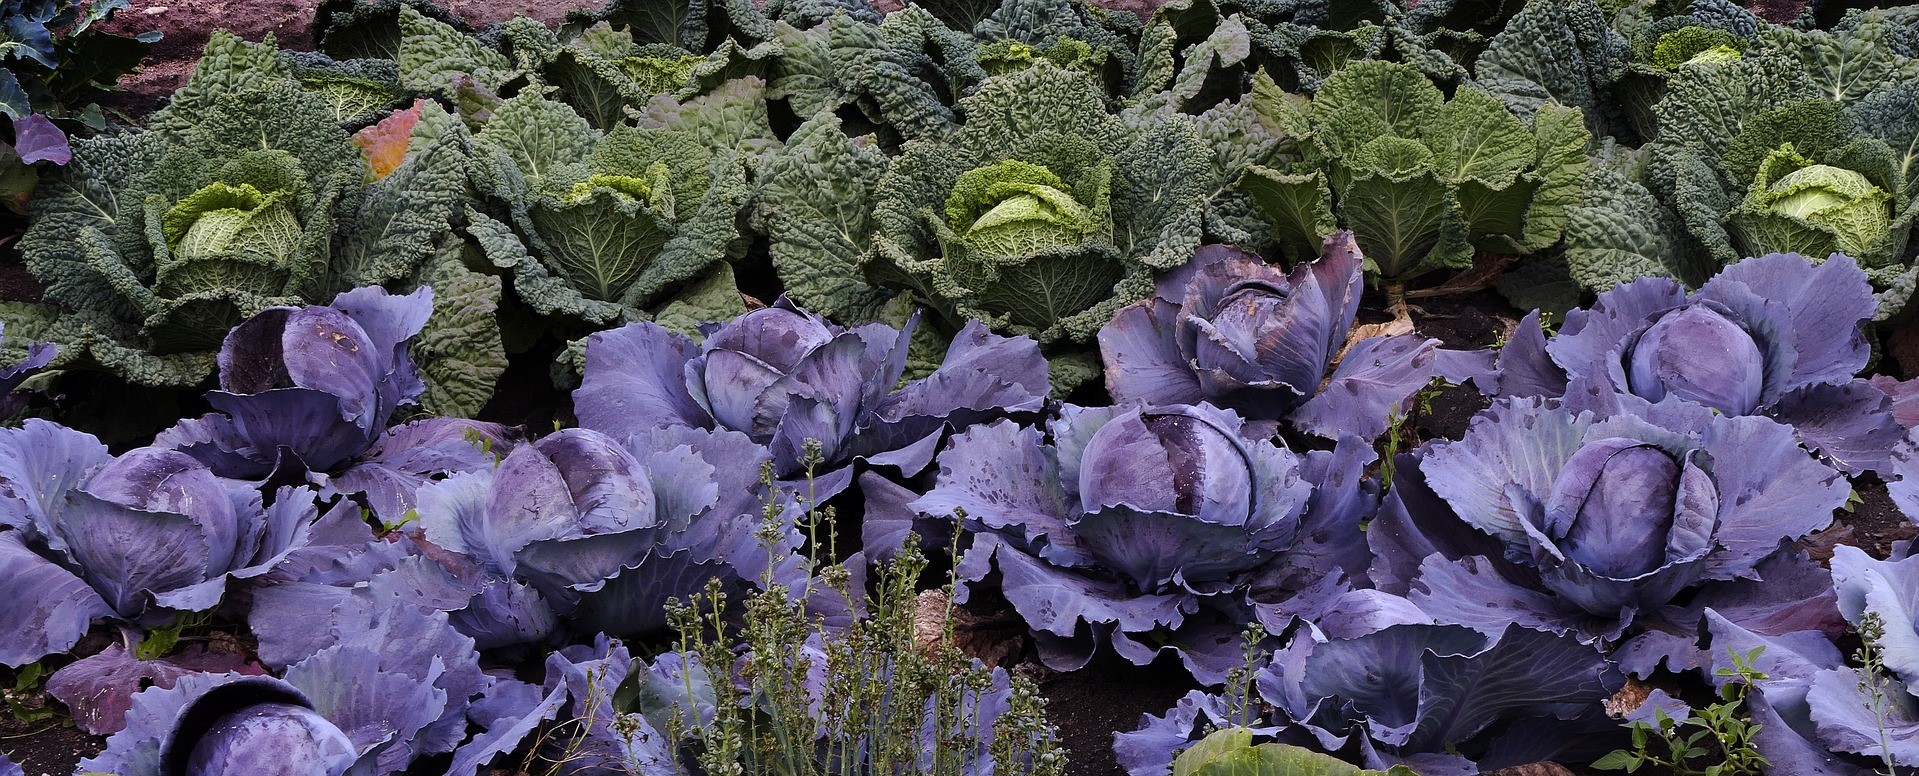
(1371, 99)
(545, 292)
(732, 116)
(460, 352)
(715, 297)
(545, 141)
(695, 25)
(1299, 207)
(404, 214)
(1405, 225)
(1848, 64)
(1619, 231)
(228, 65)
(816, 241)
(432, 53)
(1556, 51)
(1562, 168)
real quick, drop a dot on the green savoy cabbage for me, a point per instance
(1044, 213)
(153, 244)
(1422, 181)
(1804, 144)
(597, 225)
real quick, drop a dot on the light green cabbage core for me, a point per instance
(222, 219)
(654, 189)
(1014, 208)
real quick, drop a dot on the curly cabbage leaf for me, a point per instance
(599, 226)
(1423, 181)
(1044, 213)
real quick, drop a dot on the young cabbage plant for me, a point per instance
(127, 538)
(1044, 213)
(1422, 181)
(1567, 522)
(600, 226)
(1148, 529)
(606, 532)
(789, 380)
(309, 392)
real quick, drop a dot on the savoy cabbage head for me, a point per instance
(154, 243)
(597, 225)
(1803, 143)
(1044, 213)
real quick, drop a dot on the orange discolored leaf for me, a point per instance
(384, 144)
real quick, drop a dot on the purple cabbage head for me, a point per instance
(91, 536)
(1443, 700)
(1777, 335)
(1818, 715)
(312, 389)
(341, 711)
(39, 355)
(1231, 330)
(1563, 521)
(1150, 526)
(607, 531)
(783, 376)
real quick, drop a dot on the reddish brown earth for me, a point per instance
(186, 25)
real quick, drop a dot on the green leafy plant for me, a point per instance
(1422, 181)
(1804, 142)
(1714, 740)
(1042, 215)
(887, 693)
(155, 244)
(601, 226)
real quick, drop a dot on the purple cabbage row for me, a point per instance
(1641, 479)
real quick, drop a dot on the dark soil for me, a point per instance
(46, 748)
(1109, 696)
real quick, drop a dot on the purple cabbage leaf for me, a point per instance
(1442, 700)
(1776, 335)
(344, 710)
(1148, 526)
(1229, 329)
(309, 391)
(783, 376)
